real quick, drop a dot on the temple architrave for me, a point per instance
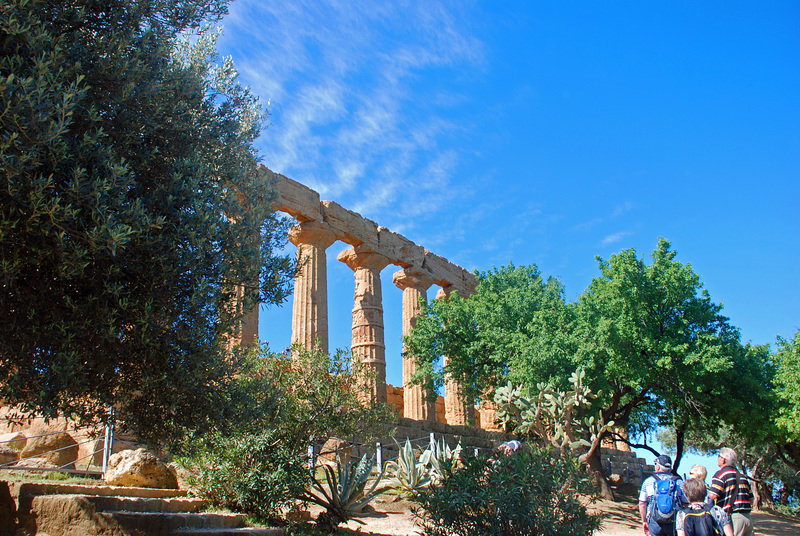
(320, 224)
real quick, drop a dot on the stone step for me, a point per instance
(243, 531)
(174, 505)
(42, 488)
(57, 509)
(166, 523)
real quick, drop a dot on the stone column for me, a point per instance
(244, 331)
(457, 411)
(415, 400)
(310, 309)
(368, 343)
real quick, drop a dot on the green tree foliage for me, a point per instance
(528, 492)
(304, 393)
(252, 462)
(653, 341)
(512, 329)
(258, 474)
(131, 208)
(787, 383)
(655, 348)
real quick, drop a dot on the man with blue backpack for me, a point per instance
(660, 499)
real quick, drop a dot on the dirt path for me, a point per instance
(619, 519)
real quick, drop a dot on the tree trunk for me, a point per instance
(596, 470)
(762, 493)
(680, 437)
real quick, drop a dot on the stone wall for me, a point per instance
(33, 439)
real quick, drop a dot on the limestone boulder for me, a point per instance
(139, 468)
(14, 440)
(36, 463)
(57, 447)
(8, 456)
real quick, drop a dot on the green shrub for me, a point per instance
(252, 464)
(787, 510)
(257, 474)
(529, 492)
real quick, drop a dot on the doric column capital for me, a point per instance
(360, 257)
(312, 233)
(444, 292)
(412, 278)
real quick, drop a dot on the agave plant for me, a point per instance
(345, 492)
(444, 460)
(407, 473)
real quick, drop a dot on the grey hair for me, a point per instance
(700, 469)
(729, 455)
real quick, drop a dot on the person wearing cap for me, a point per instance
(663, 466)
(730, 490)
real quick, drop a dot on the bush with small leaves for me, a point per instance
(529, 492)
(257, 474)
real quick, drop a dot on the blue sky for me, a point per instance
(542, 132)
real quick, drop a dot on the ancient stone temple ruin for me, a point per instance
(374, 248)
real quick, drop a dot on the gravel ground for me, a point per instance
(620, 518)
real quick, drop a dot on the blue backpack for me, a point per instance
(664, 503)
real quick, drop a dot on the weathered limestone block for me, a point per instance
(121, 442)
(8, 456)
(399, 248)
(335, 448)
(182, 475)
(295, 199)
(58, 447)
(37, 463)
(139, 468)
(350, 226)
(14, 440)
(394, 396)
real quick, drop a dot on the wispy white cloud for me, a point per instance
(349, 117)
(614, 238)
(622, 208)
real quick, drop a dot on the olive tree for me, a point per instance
(131, 210)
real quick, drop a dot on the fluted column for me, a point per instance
(457, 411)
(310, 309)
(244, 331)
(368, 343)
(415, 400)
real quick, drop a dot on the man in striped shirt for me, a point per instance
(730, 490)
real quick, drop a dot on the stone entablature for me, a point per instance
(320, 224)
(305, 205)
